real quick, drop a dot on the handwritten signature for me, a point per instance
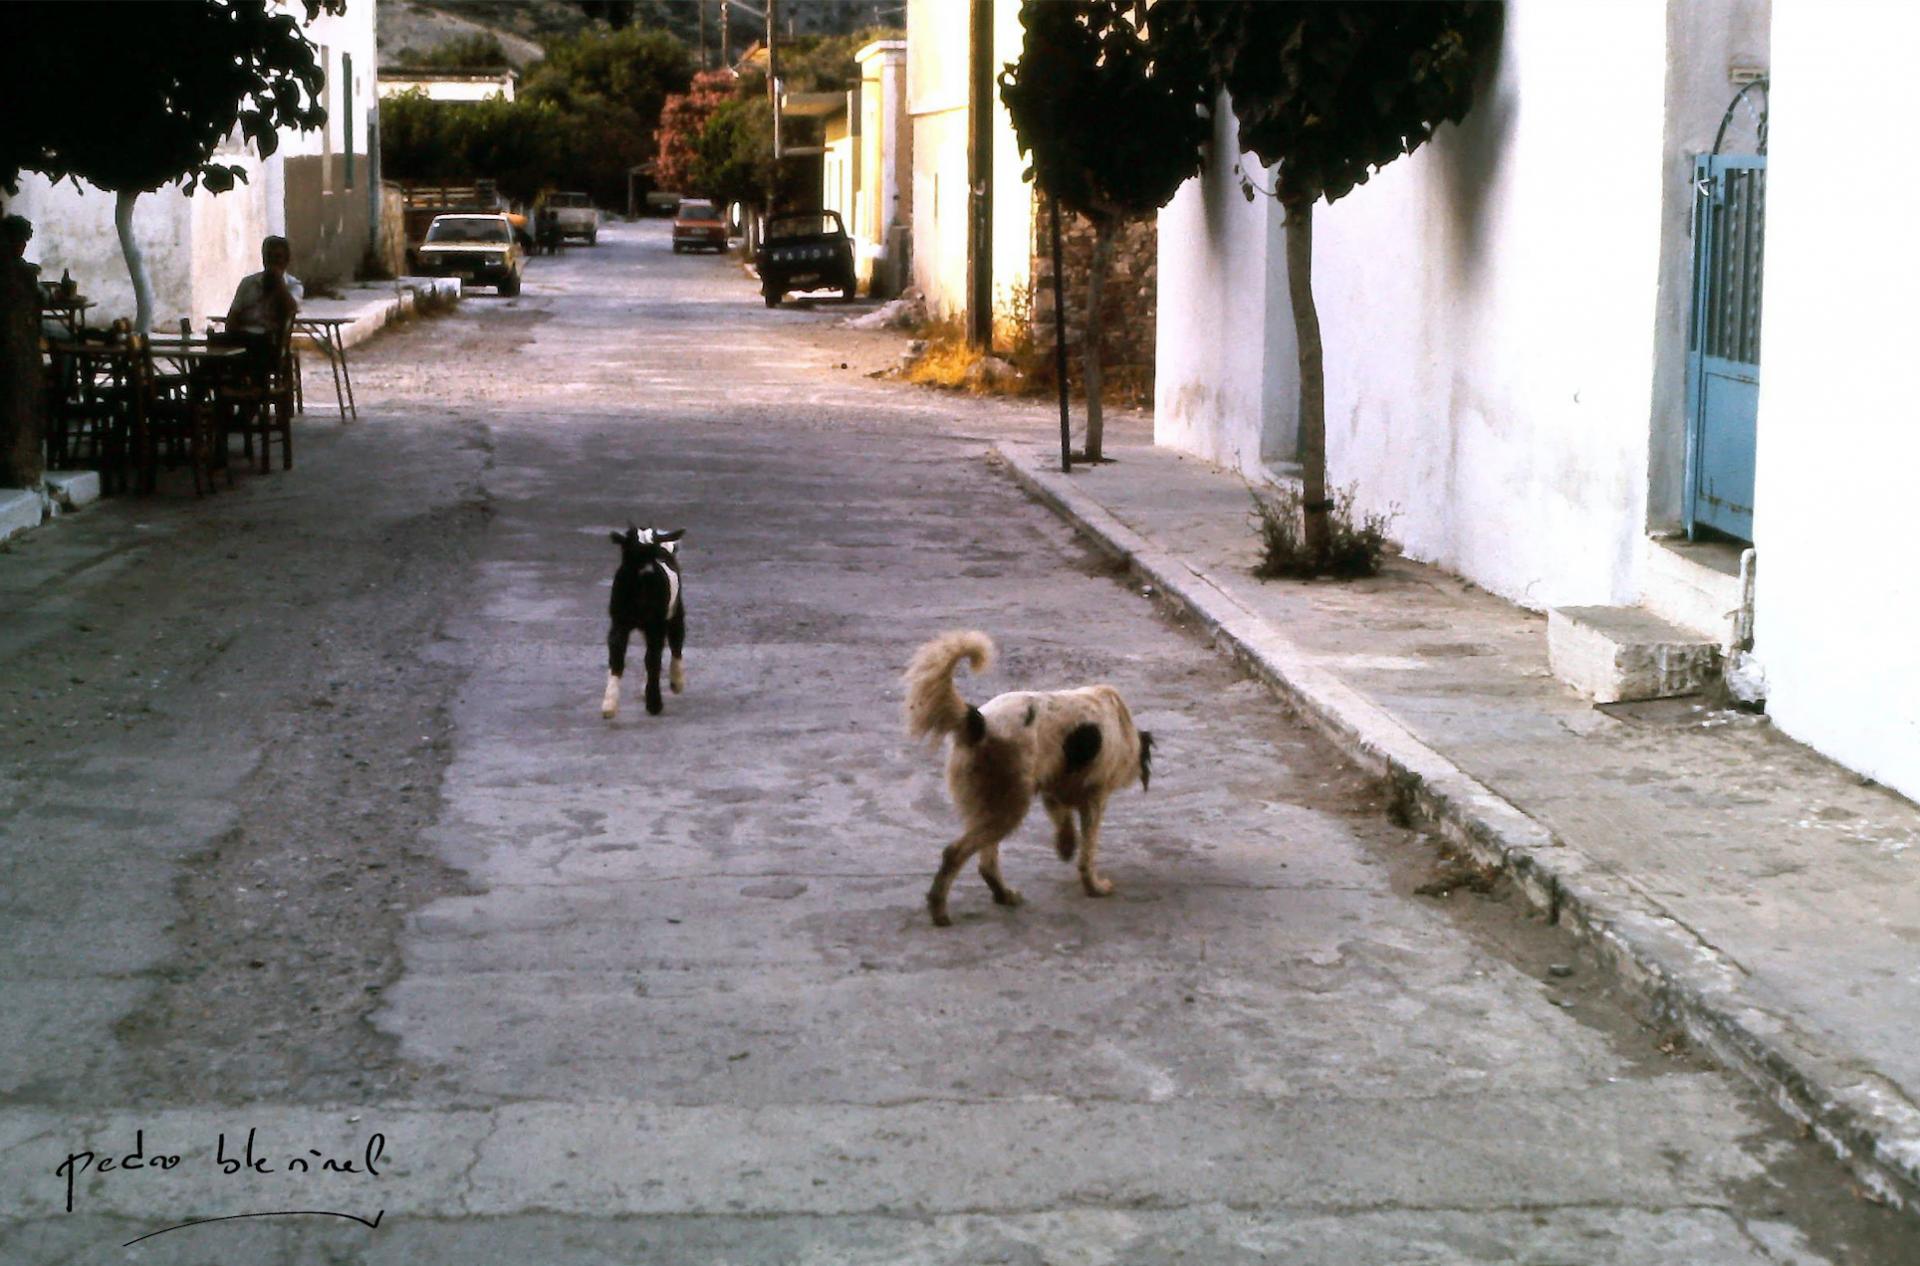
(229, 1157)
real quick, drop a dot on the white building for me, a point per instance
(319, 190)
(1507, 317)
(449, 85)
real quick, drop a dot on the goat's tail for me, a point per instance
(934, 706)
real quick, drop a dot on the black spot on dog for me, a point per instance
(1082, 745)
(1032, 712)
(976, 727)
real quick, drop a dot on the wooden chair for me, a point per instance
(92, 415)
(176, 421)
(259, 403)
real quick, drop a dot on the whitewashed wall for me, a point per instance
(1224, 383)
(937, 42)
(197, 248)
(937, 109)
(1487, 305)
(1839, 444)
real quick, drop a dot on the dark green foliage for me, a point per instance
(1335, 91)
(1354, 547)
(609, 87)
(733, 155)
(1112, 118)
(131, 97)
(476, 51)
(525, 146)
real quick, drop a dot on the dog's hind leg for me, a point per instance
(990, 871)
(978, 837)
(1090, 814)
(616, 664)
(654, 642)
(1066, 841)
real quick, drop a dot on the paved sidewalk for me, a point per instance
(1752, 892)
(373, 306)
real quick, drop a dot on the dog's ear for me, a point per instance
(618, 538)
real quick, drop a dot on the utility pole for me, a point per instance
(773, 91)
(704, 63)
(726, 56)
(980, 175)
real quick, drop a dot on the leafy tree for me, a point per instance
(611, 86)
(682, 119)
(733, 158)
(1114, 121)
(1333, 92)
(164, 85)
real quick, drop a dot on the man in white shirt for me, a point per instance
(265, 301)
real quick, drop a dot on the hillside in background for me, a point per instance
(409, 29)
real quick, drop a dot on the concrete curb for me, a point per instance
(1676, 974)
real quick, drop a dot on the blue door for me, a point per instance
(1723, 345)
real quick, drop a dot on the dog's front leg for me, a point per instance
(676, 640)
(1093, 882)
(616, 664)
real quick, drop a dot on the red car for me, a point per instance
(699, 225)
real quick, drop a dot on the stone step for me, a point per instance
(1618, 654)
(20, 509)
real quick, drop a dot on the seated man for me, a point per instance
(265, 301)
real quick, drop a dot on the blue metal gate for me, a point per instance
(1723, 345)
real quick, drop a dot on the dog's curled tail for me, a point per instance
(934, 706)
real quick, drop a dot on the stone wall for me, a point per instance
(1128, 305)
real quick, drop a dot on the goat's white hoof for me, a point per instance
(676, 677)
(610, 704)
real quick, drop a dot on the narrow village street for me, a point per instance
(314, 832)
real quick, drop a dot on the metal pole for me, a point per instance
(980, 176)
(1060, 337)
(773, 89)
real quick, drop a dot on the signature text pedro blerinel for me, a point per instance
(238, 1156)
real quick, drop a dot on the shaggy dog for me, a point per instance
(1072, 747)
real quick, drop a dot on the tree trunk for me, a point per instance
(1060, 337)
(136, 262)
(22, 415)
(1091, 339)
(1313, 383)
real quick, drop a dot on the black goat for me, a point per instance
(646, 596)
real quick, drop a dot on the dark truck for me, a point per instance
(806, 251)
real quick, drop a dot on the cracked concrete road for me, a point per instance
(315, 834)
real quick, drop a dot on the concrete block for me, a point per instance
(1613, 654)
(1694, 584)
(71, 489)
(20, 509)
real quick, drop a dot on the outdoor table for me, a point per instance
(69, 312)
(324, 333)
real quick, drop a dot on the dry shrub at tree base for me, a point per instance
(948, 361)
(1354, 546)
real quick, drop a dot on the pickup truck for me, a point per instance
(805, 251)
(576, 214)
